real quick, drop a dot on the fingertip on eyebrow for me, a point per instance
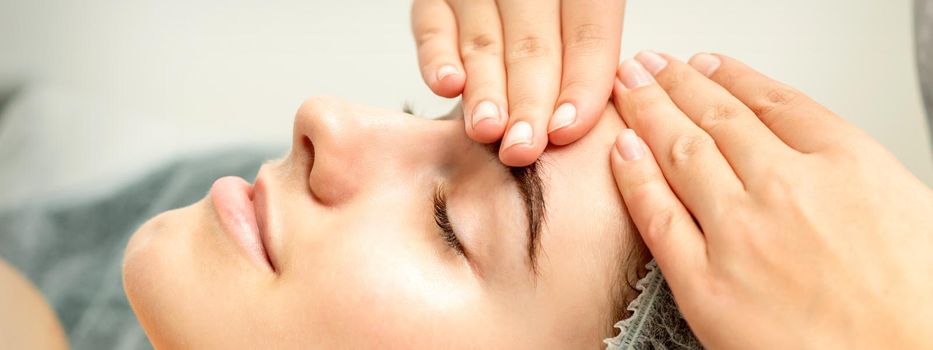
(531, 187)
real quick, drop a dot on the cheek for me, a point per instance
(388, 280)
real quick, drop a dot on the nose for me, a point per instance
(348, 149)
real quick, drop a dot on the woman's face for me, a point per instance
(352, 255)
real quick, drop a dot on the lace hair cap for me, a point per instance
(655, 323)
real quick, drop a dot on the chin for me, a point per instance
(151, 262)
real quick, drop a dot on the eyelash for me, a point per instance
(442, 219)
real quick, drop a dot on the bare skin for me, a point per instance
(26, 320)
(810, 235)
(530, 72)
(358, 260)
(796, 208)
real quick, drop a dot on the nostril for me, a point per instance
(308, 148)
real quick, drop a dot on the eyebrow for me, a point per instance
(531, 188)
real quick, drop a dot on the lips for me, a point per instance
(240, 209)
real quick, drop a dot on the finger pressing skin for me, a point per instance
(435, 29)
(689, 159)
(662, 220)
(748, 145)
(796, 119)
(485, 108)
(592, 32)
(532, 62)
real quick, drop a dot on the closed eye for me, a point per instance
(442, 219)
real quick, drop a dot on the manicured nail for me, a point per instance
(445, 71)
(628, 146)
(653, 62)
(519, 133)
(483, 111)
(705, 63)
(633, 75)
(565, 114)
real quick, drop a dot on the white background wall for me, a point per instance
(222, 72)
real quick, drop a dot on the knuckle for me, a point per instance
(688, 146)
(716, 114)
(638, 185)
(484, 89)
(647, 111)
(777, 99)
(673, 79)
(855, 155)
(579, 84)
(659, 224)
(719, 287)
(729, 78)
(587, 38)
(774, 187)
(529, 47)
(524, 103)
(646, 103)
(426, 35)
(481, 44)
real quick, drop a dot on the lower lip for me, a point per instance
(232, 197)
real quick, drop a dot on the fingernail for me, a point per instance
(564, 115)
(653, 62)
(705, 63)
(445, 71)
(633, 75)
(628, 146)
(484, 110)
(519, 133)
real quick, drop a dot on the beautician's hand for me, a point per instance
(535, 70)
(808, 233)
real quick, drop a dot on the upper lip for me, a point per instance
(260, 203)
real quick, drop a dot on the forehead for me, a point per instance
(587, 223)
